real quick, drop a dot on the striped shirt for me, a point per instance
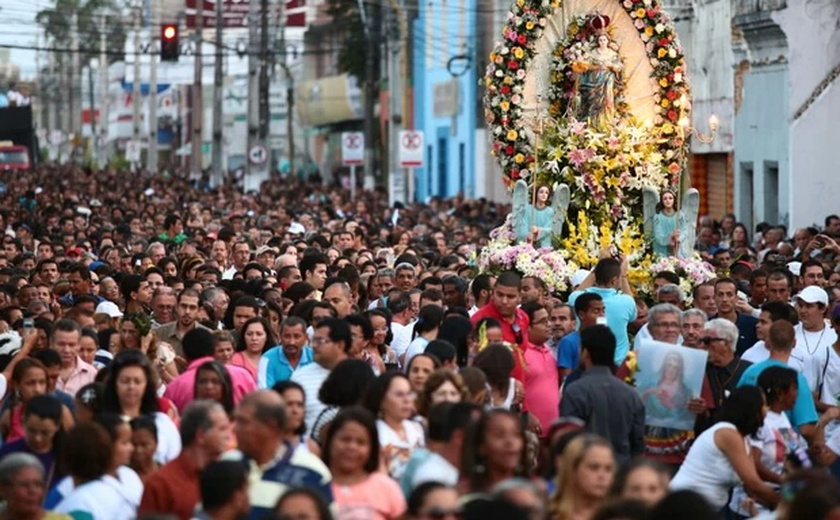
(291, 468)
(311, 377)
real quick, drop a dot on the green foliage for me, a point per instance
(57, 22)
(345, 14)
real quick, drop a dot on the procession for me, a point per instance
(604, 340)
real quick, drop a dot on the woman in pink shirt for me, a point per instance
(351, 450)
(255, 341)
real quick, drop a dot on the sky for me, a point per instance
(19, 28)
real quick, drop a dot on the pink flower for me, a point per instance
(639, 23)
(577, 157)
(628, 4)
(589, 154)
(613, 142)
(578, 127)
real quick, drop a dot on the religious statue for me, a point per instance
(672, 230)
(539, 222)
(598, 73)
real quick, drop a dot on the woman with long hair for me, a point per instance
(670, 395)
(494, 450)
(718, 459)
(43, 436)
(497, 363)
(119, 476)
(779, 385)
(389, 398)
(666, 224)
(425, 330)
(345, 386)
(29, 379)
(294, 397)
(89, 457)
(256, 339)
(303, 503)
(136, 333)
(419, 369)
(351, 451)
(380, 355)
(433, 501)
(584, 478)
(645, 480)
(740, 237)
(130, 391)
(212, 381)
(457, 330)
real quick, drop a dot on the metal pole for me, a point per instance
(103, 92)
(253, 83)
(370, 92)
(92, 104)
(353, 182)
(290, 97)
(264, 110)
(197, 140)
(136, 95)
(217, 178)
(76, 77)
(152, 159)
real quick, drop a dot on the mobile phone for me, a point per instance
(28, 326)
(392, 367)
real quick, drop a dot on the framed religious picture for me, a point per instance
(669, 376)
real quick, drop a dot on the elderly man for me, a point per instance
(260, 427)
(672, 295)
(693, 323)
(720, 338)
(669, 445)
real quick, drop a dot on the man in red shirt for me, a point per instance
(504, 308)
(174, 488)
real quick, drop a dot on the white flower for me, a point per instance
(655, 63)
(659, 28)
(520, 74)
(672, 53)
(497, 130)
(678, 77)
(499, 74)
(504, 51)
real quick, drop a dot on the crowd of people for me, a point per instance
(172, 351)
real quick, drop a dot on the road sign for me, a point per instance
(258, 154)
(132, 151)
(411, 148)
(352, 148)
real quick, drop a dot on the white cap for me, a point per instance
(109, 308)
(579, 276)
(795, 268)
(297, 229)
(813, 294)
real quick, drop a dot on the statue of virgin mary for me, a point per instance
(597, 74)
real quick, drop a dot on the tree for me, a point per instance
(57, 21)
(345, 14)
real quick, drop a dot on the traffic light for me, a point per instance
(169, 42)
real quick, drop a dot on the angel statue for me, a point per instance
(597, 75)
(673, 231)
(547, 220)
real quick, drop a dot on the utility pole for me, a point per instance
(154, 24)
(254, 173)
(217, 178)
(370, 91)
(92, 103)
(75, 78)
(198, 103)
(103, 92)
(264, 110)
(52, 113)
(136, 94)
(290, 97)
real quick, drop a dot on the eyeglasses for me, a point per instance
(709, 341)
(438, 513)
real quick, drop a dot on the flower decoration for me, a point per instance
(692, 271)
(503, 254)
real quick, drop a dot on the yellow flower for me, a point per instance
(573, 30)
(518, 52)
(611, 164)
(667, 129)
(599, 175)
(492, 56)
(519, 158)
(640, 12)
(529, 25)
(649, 30)
(613, 181)
(663, 82)
(662, 52)
(505, 106)
(665, 103)
(520, 3)
(512, 135)
(508, 80)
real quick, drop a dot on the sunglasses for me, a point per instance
(709, 341)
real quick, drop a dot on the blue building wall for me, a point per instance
(442, 30)
(762, 147)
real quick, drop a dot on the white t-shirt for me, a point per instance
(403, 448)
(402, 337)
(106, 498)
(311, 377)
(435, 469)
(418, 346)
(776, 439)
(759, 352)
(169, 439)
(813, 347)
